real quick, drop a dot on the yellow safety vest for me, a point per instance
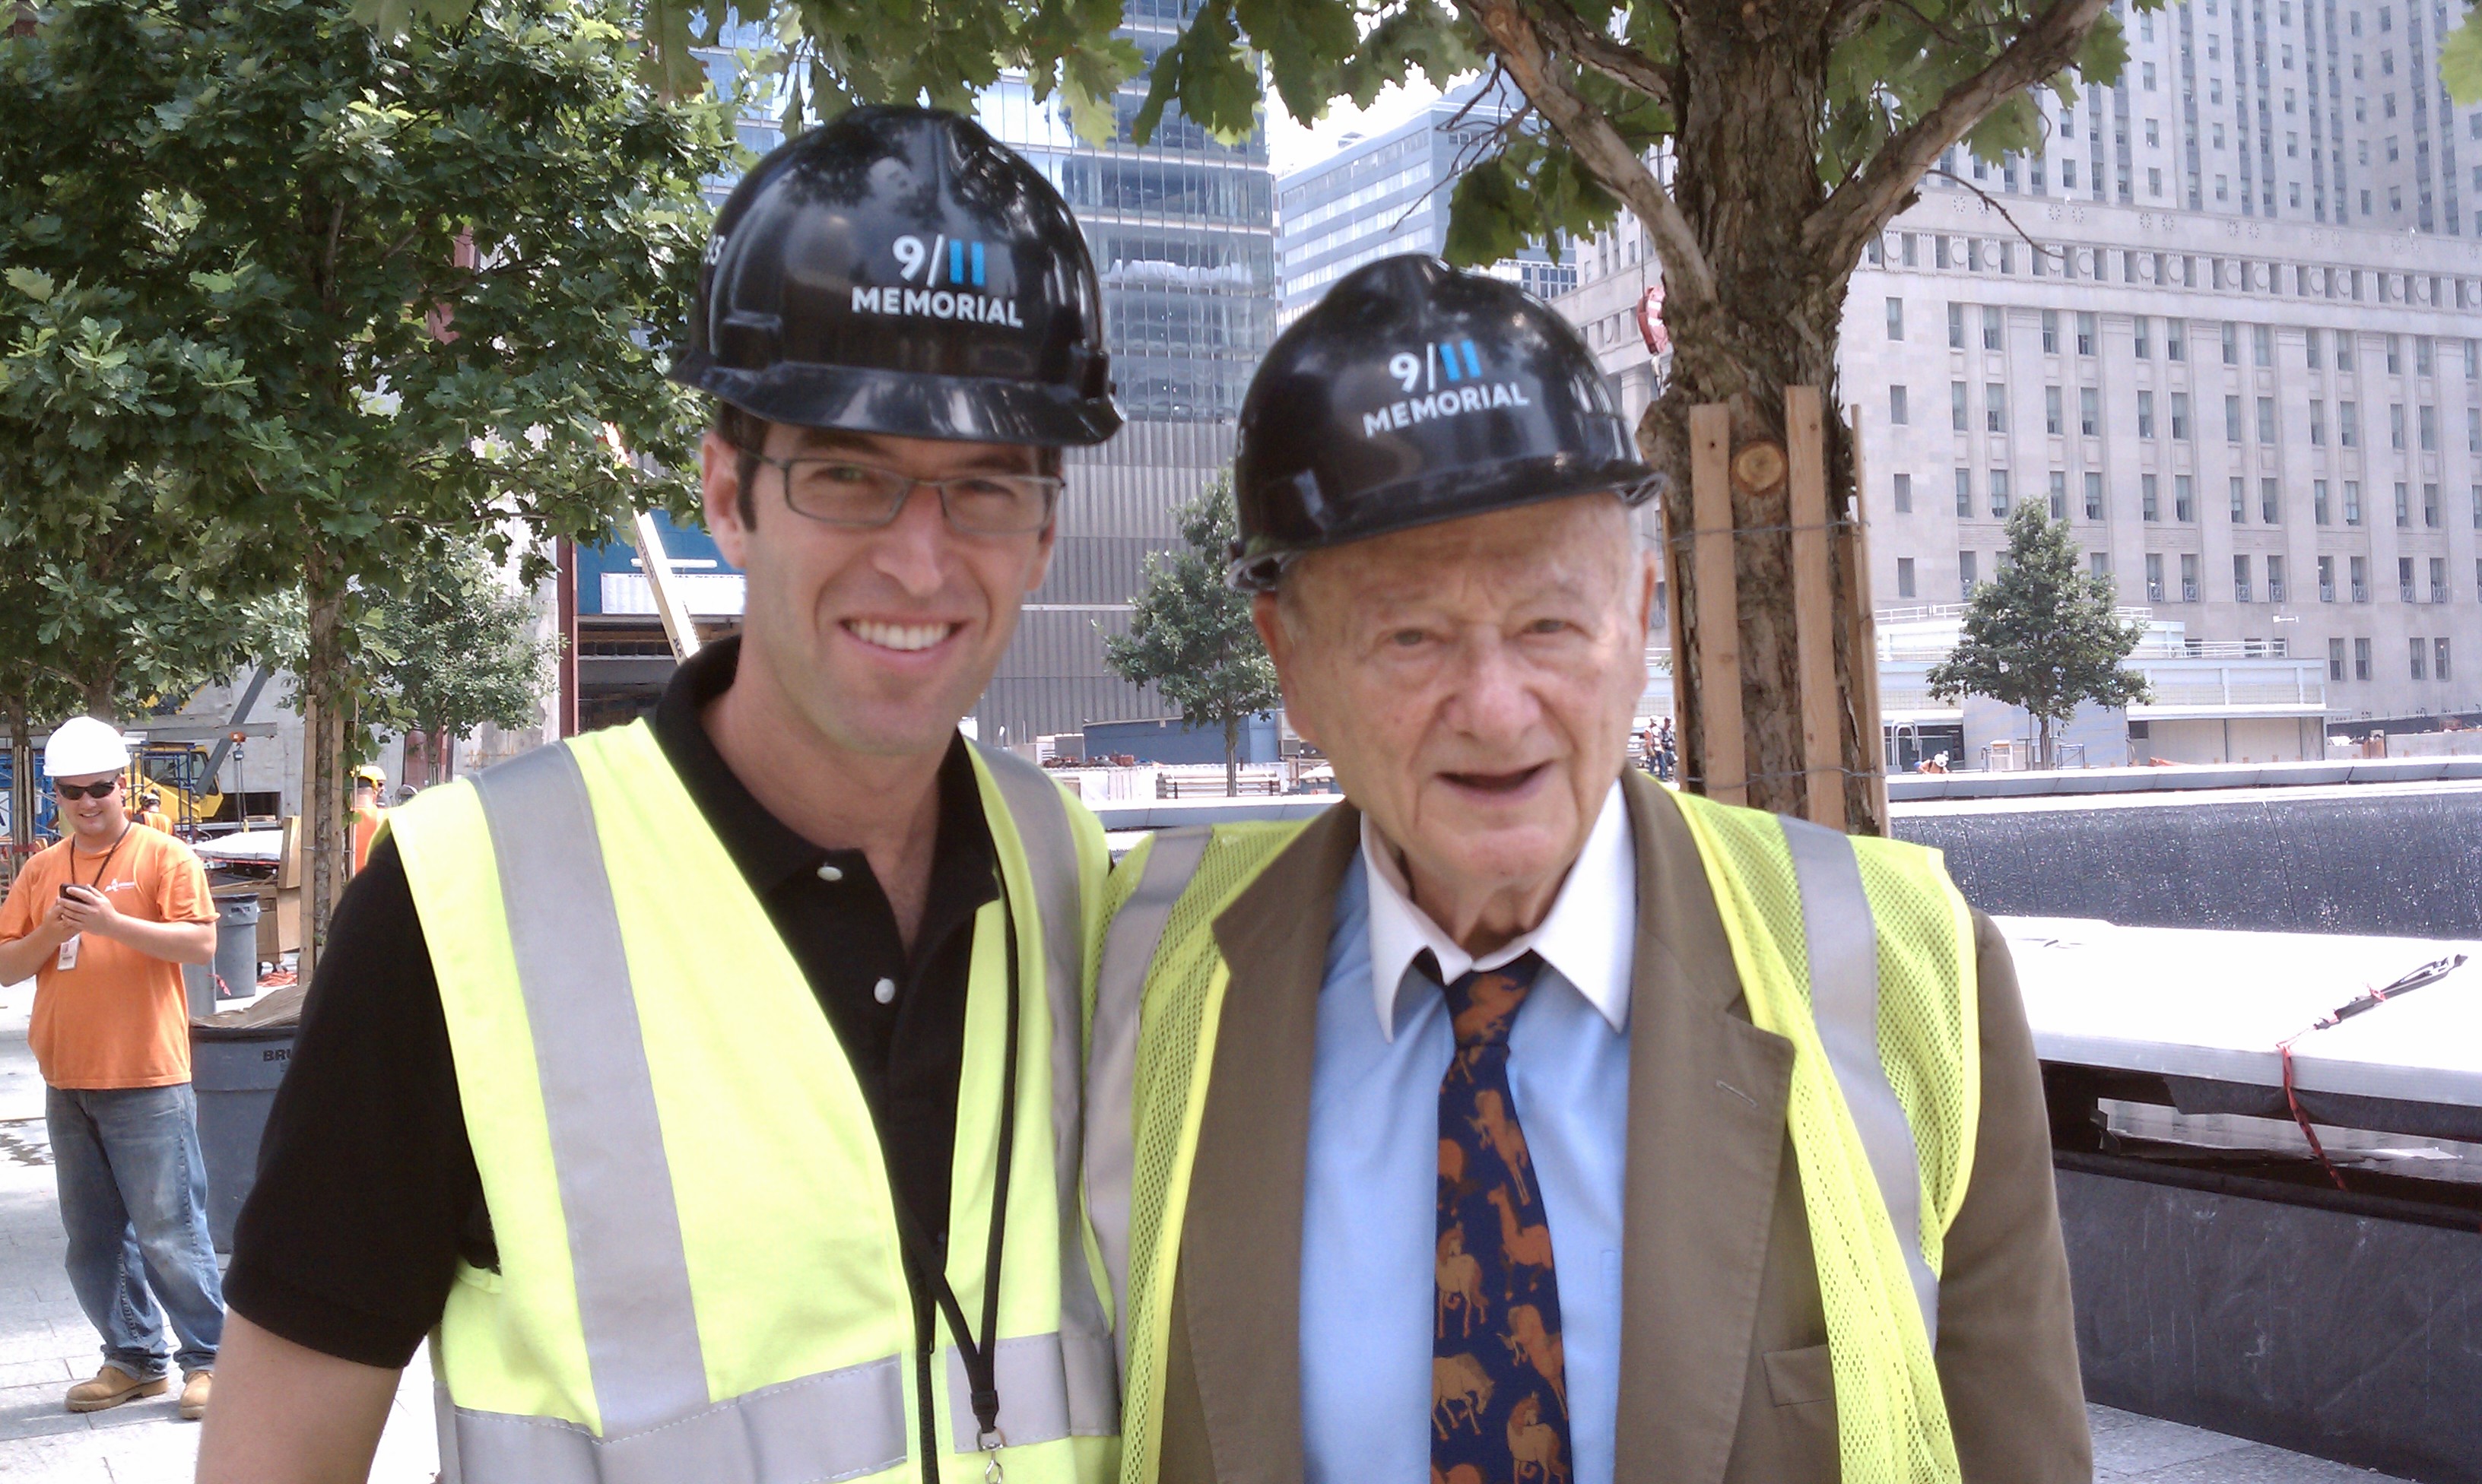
(700, 1275)
(1858, 950)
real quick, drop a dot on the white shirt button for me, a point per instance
(884, 990)
(832, 873)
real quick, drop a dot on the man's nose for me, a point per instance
(1494, 700)
(913, 549)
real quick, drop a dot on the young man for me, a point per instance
(708, 1089)
(1520, 1117)
(104, 920)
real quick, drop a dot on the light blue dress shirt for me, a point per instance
(1368, 1229)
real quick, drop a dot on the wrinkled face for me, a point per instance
(880, 638)
(1472, 680)
(93, 819)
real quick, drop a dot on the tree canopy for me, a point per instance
(1191, 637)
(422, 271)
(2041, 635)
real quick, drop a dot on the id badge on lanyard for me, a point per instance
(69, 952)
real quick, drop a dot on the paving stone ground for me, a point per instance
(45, 1344)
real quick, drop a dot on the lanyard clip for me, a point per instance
(991, 1441)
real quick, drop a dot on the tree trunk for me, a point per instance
(1231, 756)
(1746, 182)
(325, 703)
(2043, 757)
(103, 692)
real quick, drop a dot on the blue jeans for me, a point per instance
(133, 1200)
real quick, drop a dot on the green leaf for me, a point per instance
(2460, 60)
(37, 286)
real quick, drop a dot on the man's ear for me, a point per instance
(720, 493)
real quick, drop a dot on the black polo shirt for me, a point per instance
(367, 1191)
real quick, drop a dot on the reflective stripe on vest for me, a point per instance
(1112, 1052)
(1843, 942)
(1041, 817)
(631, 1273)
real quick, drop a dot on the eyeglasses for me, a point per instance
(86, 790)
(840, 492)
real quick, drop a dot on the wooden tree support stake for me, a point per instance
(1813, 608)
(1862, 641)
(1719, 605)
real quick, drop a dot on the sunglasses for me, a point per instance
(86, 790)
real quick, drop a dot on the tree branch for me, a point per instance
(1689, 279)
(1991, 202)
(1589, 46)
(1862, 205)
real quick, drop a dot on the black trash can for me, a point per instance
(236, 1060)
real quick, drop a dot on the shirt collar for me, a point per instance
(1589, 936)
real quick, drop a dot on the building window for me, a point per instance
(2051, 422)
(2174, 344)
(2439, 652)
(2396, 356)
(2361, 658)
(2241, 578)
(2348, 425)
(2266, 420)
(2318, 501)
(2317, 424)
(2395, 425)
(2142, 337)
(2422, 356)
(2334, 659)
(2404, 507)
(2327, 584)
(2145, 414)
(2438, 580)
(2240, 500)
(1995, 407)
(2059, 495)
(2275, 579)
(2429, 425)
(2231, 343)
(2147, 506)
(2430, 511)
(2352, 502)
(2419, 652)
(1904, 577)
(1964, 494)
(2404, 578)
(1998, 494)
(2474, 419)
(1964, 579)
(1992, 319)
(2263, 343)
(2180, 417)
(2309, 347)
(2094, 497)
(1903, 494)
(2153, 577)
(1896, 404)
(2089, 411)
(1955, 315)
(2085, 334)
(2052, 324)
(1955, 407)
(2188, 577)
(2344, 337)
(1896, 319)
(2184, 498)
(2270, 506)
(2361, 581)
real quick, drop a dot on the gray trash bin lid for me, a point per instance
(275, 1017)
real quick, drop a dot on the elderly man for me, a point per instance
(1520, 1119)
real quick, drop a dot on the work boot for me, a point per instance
(111, 1387)
(195, 1387)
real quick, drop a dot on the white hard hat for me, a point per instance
(83, 745)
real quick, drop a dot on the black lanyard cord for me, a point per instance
(97, 885)
(980, 1360)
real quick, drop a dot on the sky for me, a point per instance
(1290, 146)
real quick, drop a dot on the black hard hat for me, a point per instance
(897, 271)
(1415, 393)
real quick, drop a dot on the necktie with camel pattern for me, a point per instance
(1500, 1396)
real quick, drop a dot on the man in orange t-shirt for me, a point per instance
(104, 920)
(369, 814)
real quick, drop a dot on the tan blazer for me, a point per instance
(1724, 1363)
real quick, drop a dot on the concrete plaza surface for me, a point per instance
(45, 1343)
